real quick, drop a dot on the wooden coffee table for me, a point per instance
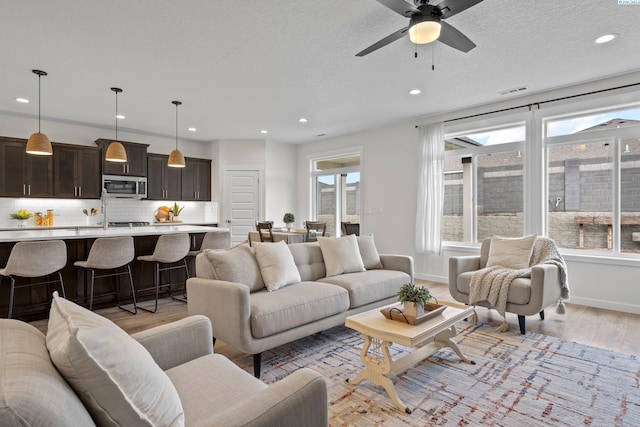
(425, 339)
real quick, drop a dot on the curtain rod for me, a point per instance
(543, 102)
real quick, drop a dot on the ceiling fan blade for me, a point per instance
(448, 8)
(454, 38)
(385, 41)
(400, 6)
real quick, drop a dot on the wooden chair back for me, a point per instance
(349, 228)
(316, 227)
(265, 225)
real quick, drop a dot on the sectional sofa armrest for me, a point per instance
(227, 305)
(298, 400)
(178, 342)
(398, 262)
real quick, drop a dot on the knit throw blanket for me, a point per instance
(492, 284)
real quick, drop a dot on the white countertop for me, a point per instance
(18, 235)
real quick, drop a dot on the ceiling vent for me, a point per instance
(513, 91)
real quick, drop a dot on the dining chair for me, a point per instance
(35, 259)
(265, 225)
(314, 228)
(349, 228)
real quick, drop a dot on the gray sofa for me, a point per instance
(247, 316)
(213, 391)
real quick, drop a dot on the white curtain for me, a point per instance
(430, 189)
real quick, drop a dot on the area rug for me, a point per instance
(530, 380)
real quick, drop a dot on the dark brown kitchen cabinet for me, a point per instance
(196, 179)
(163, 182)
(76, 172)
(136, 164)
(22, 174)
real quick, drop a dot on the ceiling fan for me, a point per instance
(426, 23)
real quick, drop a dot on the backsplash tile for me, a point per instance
(68, 212)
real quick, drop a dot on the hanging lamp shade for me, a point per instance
(116, 153)
(176, 158)
(39, 143)
(115, 150)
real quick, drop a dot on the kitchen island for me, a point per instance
(32, 303)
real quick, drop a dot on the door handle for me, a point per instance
(79, 191)
(29, 187)
(24, 189)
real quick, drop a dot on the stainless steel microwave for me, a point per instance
(133, 187)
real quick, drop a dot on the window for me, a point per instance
(593, 174)
(336, 195)
(483, 179)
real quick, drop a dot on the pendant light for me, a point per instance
(116, 151)
(39, 143)
(176, 159)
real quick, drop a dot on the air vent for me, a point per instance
(513, 91)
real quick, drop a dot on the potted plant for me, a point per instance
(289, 219)
(175, 211)
(22, 216)
(415, 298)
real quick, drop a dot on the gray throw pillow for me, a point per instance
(237, 264)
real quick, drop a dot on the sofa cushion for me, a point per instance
(295, 305)
(368, 252)
(115, 376)
(237, 264)
(216, 377)
(32, 392)
(309, 260)
(519, 291)
(511, 253)
(341, 254)
(369, 286)
(277, 267)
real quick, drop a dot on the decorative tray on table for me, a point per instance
(431, 310)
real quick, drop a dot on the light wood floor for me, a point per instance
(586, 325)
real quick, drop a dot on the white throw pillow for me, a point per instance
(369, 252)
(277, 265)
(341, 254)
(511, 253)
(237, 264)
(115, 376)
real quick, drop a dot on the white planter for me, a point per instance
(289, 226)
(411, 310)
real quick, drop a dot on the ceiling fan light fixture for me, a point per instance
(116, 151)
(39, 143)
(424, 29)
(176, 158)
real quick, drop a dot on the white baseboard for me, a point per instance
(432, 278)
(608, 305)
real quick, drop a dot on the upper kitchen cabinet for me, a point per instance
(163, 182)
(22, 174)
(136, 164)
(76, 172)
(196, 179)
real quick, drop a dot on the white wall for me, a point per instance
(280, 183)
(389, 183)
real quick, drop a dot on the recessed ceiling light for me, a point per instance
(23, 100)
(120, 116)
(302, 120)
(192, 129)
(415, 92)
(264, 131)
(606, 38)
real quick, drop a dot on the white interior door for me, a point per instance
(242, 202)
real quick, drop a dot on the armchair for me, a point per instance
(528, 294)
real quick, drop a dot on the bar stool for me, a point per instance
(110, 253)
(212, 240)
(170, 249)
(35, 259)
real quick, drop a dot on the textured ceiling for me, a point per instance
(242, 66)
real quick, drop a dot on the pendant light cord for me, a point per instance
(39, 102)
(177, 126)
(116, 115)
